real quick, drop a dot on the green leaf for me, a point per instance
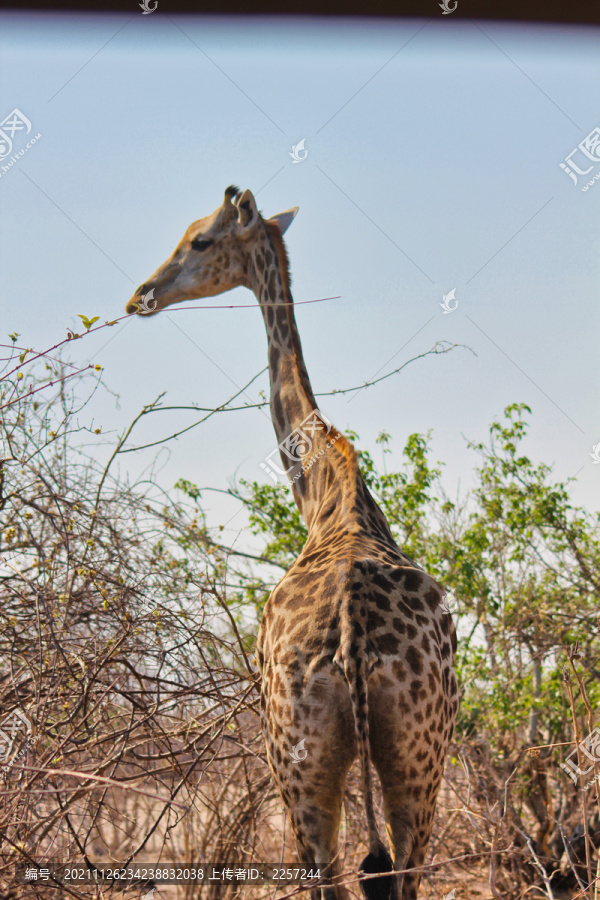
(87, 322)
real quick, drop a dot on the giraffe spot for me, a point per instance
(417, 605)
(378, 579)
(405, 609)
(415, 659)
(415, 689)
(274, 354)
(432, 598)
(421, 619)
(382, 601)
(398, 670)
(375, 525)
(412, 580)
(388, 643)
(382, 582)
(411, 632)
(374, 620)
(425, 644)
(403, 705)
(358, 629)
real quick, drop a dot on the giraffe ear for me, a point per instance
(284, 219)
(247, 211)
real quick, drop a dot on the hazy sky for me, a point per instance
(433, 152)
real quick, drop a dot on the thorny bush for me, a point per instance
(128, 695)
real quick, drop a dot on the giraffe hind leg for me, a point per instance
(312, 786)
(316, 848)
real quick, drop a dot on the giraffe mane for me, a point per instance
(282, 256)
(342, 443)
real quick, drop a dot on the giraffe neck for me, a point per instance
(307, 442)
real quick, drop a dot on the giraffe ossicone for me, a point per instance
(355, 648)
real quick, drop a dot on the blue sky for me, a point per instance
(433, 164)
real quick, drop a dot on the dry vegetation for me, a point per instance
(128, 692)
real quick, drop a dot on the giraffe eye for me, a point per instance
(200, 244)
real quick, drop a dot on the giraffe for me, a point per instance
(355, 648)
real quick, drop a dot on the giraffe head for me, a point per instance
(213, 256)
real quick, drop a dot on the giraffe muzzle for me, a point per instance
(143, 301)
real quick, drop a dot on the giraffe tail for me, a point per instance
(353, 651)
